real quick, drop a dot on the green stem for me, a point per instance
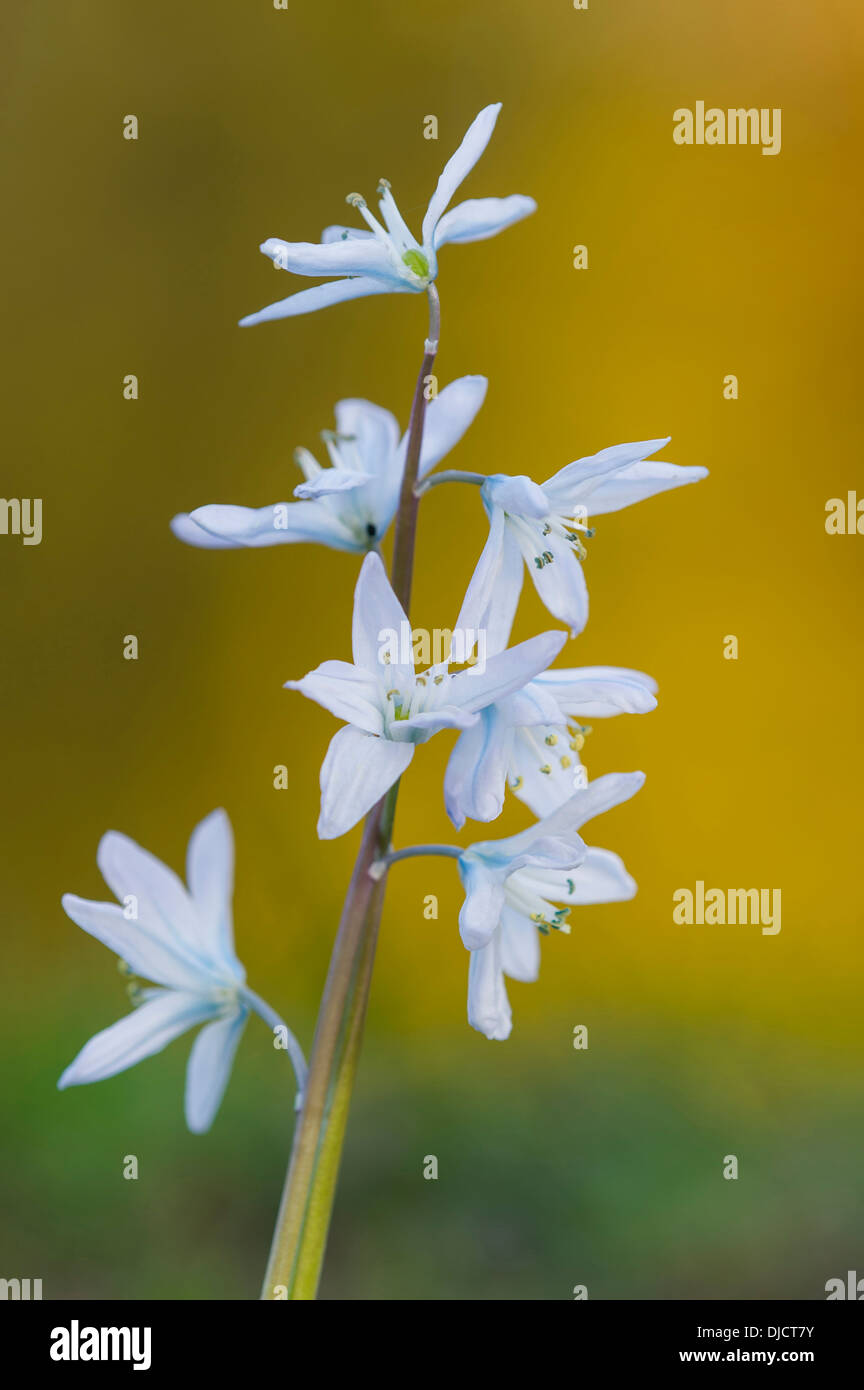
(300, 1236)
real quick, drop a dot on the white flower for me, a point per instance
(543, 523)
(531, 740)
(388, 259)
(183, 941)
(350, 505)
(511, 886)
(389, 708)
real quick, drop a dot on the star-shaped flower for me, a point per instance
(387, 259)
(544, 523)
(511, 887)
(389, 708)
(531, 740)
(182, 940)
(350, 505)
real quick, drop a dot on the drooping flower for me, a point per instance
(531, 740)
(389, 708)
(350, 505)
(387, 259)
(544, 523)
(183, 941)
(512, 886)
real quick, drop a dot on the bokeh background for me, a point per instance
(556, 1167)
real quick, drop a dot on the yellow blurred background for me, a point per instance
(557, 1167)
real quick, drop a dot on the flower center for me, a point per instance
(416, 261)
(529, 903)
(408, 258)
(531, 534)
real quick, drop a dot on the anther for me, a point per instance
(356, 200)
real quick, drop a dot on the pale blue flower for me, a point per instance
(511, 887)
(543, 523)
(389, 708)
(387, 259)
(183, 941)
(350, 505)
(530, 741)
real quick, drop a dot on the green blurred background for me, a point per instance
(556, 1167)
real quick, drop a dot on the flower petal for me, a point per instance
(519, 495)
(520, 947)
(478, 596)
(375, 433)
(331, 481)
(492, 597)
(448, 416)
(601, 878)
(209, 1068)
(144, 1032)
(488, 1006)
(347, 691)
(639, 481)
(378, 618)
(322, 296)
(507, 671)
(484, 898)
(598, 692)
(351, 256)
(165, 908)
(479, 218)
(187, 530)
(432, 722)
(148, 949)
(458, 167)
(560, 583)
(575, 482)
(476, 772)
(357, 770)
(599, 796)
(219, 525)
(210, 876)
(339, 232)
(543, 774)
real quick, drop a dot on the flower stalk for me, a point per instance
(300, 1235)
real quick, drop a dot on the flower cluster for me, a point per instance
(518, 721)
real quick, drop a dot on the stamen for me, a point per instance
(551, 739)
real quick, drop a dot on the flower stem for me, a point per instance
(406, 517)
(300, 1237)
(450, 475)
(413, 852)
